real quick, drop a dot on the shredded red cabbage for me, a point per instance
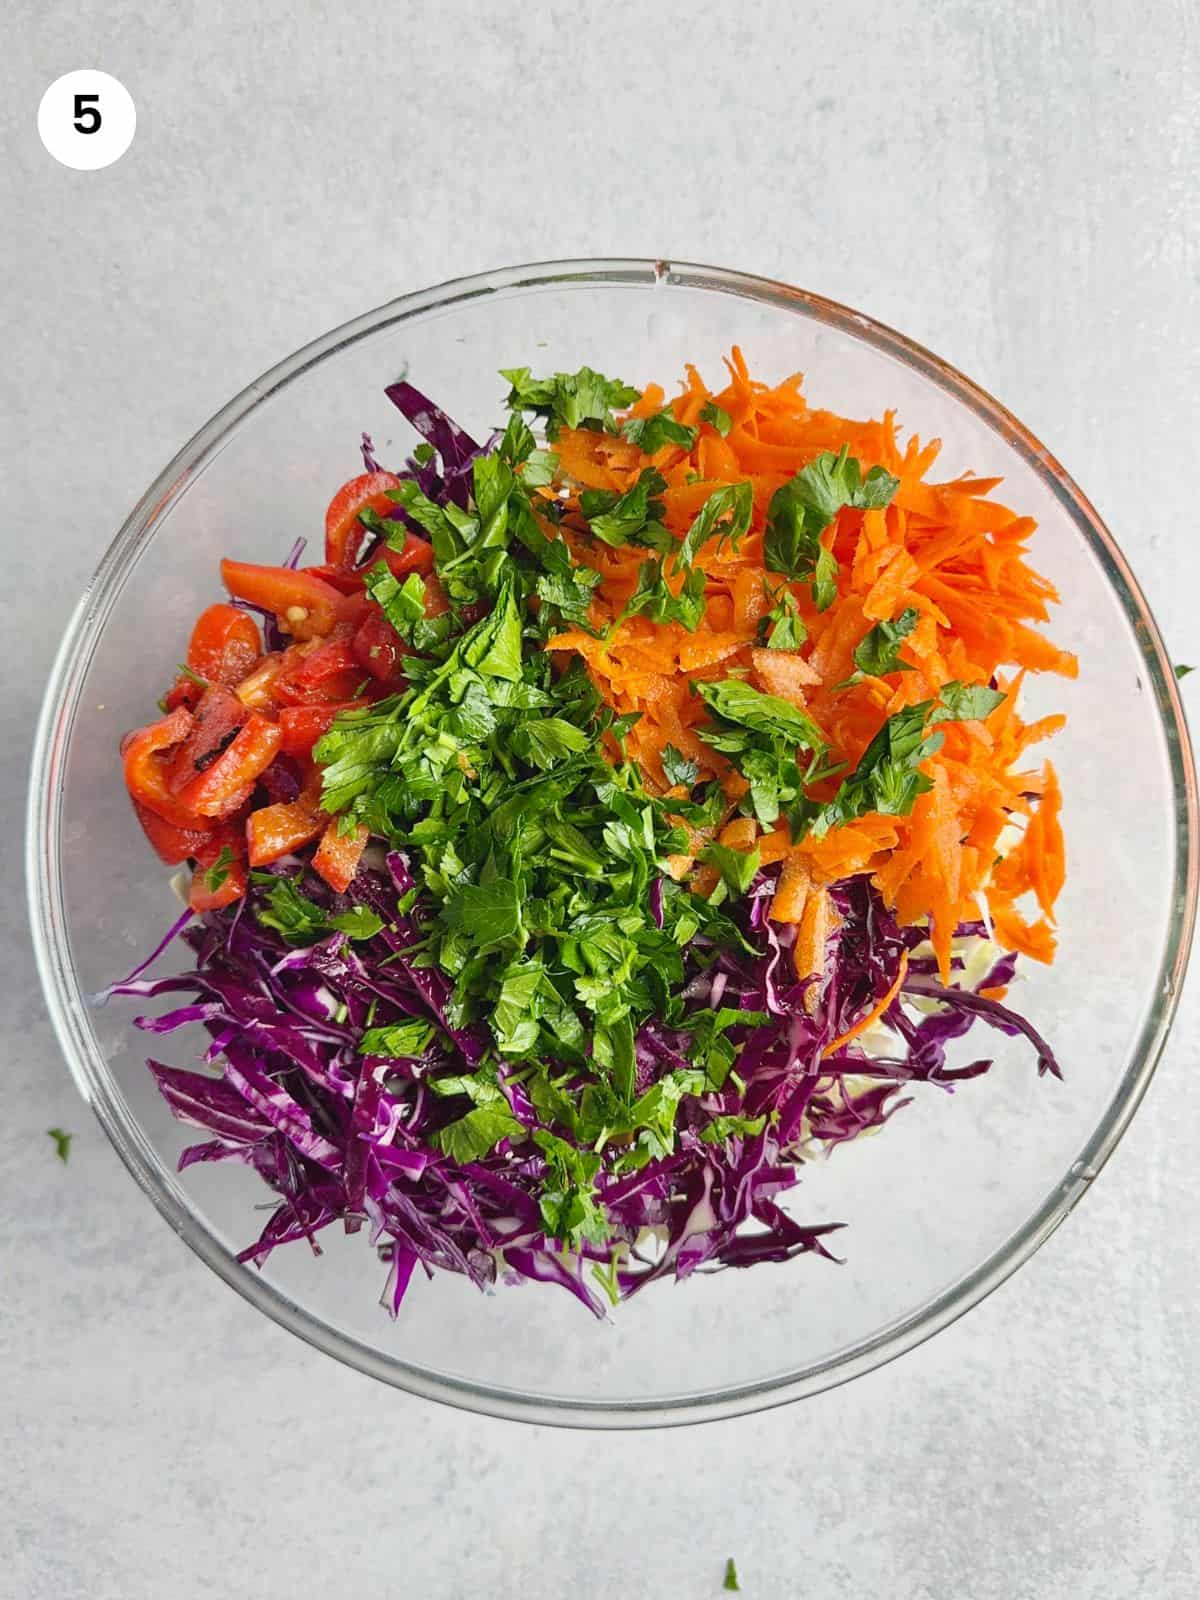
(343, 1137)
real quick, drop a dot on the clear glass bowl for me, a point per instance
(959, 1189)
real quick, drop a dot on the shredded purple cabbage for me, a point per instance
(346, 1138)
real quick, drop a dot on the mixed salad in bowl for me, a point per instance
(629, 809)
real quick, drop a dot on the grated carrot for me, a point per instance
(947, 550)
(876, 1011)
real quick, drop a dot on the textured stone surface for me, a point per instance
(1012, 185)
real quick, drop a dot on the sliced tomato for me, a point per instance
(171, 843)
(226, 785)
(305, 606)
(337, 856)
(225, 644)
(221, 874)
(217, 717)
(301, 726)
(379, 649)
(343, 531)
(145, 768)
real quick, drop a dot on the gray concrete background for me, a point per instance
(1013, 185)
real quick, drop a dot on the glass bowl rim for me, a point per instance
(68, 1006)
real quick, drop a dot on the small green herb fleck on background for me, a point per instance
(62, 1142)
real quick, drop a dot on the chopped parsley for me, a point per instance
(879, 652)
(651, 434)
(632, 517)
(302, 921)
(62, 1143)
(804, 507)
(583, 399)
(738, 868)
(216, 875)
(783, 625)
(678, 768)
(534, 854)
(761, 734)
(716, 418)
(731, 1576)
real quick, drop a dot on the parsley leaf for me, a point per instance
(1181, 671)
(678, 768)
(650, 434)
(728, 509)
(716, 418)
(219, 871)
(879, 652)
(965, 702)
(655, 598)
(731, 1577)
(711, 1048)
(787, 630)
(887, 778)
(481, 1088)
(761, 734)
(739, 702)
(487, 914)
(738, 868)
(493, 646)
(720, 1128)
(803, 508)
(359, 922)
(616, 519)
(732, 501)
(583, 399)
(426, 513)
(478, 1133)
(569, 592)
(543, 742)
(302, 920)
(403, 604)
(62, 1143)
(570, 1210)
(398, 1040)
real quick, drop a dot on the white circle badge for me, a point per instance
(86, 119)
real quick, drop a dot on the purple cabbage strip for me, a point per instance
(455, 447)
(347, 1138)
(122, 986)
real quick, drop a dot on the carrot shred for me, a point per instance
(876, 1011)
(949, 551)
(792, 894)
(813, 934)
